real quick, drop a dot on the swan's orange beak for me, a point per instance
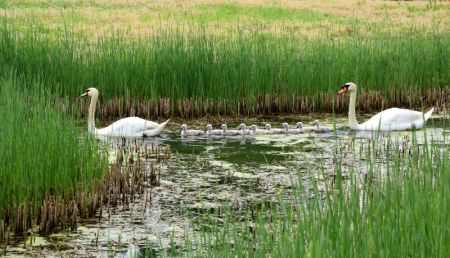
(85, 94)
(343, 89)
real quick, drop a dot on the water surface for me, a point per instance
(209, 173)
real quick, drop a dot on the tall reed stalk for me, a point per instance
(396, 209)
(250, 71)
(43, 156)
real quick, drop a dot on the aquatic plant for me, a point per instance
(396, 209)
(195, 73)
(47, 165)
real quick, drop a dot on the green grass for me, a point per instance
(203, 13)
(207, 13)
(238, 67)
(57, 4)
(42, 152)
(399, 211)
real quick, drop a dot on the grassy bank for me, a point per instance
(46, 166)
(397, 209)
(306, 18)
(177, 73)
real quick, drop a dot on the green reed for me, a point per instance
(397, 209)
(42, 152)
(241, 66)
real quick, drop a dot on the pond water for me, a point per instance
(204, 174)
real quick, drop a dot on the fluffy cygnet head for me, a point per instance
(316, 123)
(223, 127)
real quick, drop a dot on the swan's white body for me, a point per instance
(186, 132)
(211, 131)
(126, 127)
(131, 127)
(392, 119)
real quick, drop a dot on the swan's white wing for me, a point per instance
(394, 119)
(156, 131)
(136, 122)
(130, 126)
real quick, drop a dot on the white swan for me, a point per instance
(321, 129)
(211, 131)
(282, 130)
(307, 129)
(226, 132)
(297, 130)
(268, 128)
(186, 132)
(126, 127)
(255, 131)
(392, 119)
(272, 131)
(243, 129)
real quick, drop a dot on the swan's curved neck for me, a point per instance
(91, 116)
(351, 112)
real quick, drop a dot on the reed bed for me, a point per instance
(179, 73)
(266, 104)
(399, 211)
(51, 174)
(46, 164)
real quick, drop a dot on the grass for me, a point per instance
(397, 209)
(210, 13)
(306, 18)
(248, 69)
(44, 157)
(204, 13)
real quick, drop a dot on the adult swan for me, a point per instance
(393, 119)
(126, 127)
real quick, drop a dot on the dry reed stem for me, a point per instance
(269, 104)
(119, 187)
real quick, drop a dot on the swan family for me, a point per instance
(392, 119)
(253, 130)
